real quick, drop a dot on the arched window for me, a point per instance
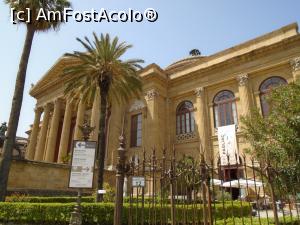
(185, 122)
(265, 87)
(224, 109)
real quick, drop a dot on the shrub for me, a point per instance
(37, 199)
(110, 193)
(102, 213)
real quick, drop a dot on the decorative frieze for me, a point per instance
(151, 94)
(242, 79)
(295, 63)
(187, 137)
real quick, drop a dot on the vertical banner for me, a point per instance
(228, 145)
(82, 166)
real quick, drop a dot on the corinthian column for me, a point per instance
(51, 144)
(34, 133)
(95, 117)
(201, 121)
(79, 120)
(245, 94)
(43, 134)
(64, 140)
(295, 63)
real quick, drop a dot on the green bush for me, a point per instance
(38, 199)
(102, 213)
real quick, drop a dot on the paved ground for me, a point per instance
(286, 213)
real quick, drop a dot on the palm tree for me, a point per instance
(100, 69)
(34, 26)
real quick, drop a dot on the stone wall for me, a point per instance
(43, 178)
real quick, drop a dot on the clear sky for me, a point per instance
(208, 25)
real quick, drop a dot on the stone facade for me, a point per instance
(197, 79)
(44, 178)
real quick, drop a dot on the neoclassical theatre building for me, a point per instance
(182, 105)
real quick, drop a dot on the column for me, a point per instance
(295, 63)
(95, 117)
(34, 133)
(246, 100)
(154, 123)
(51, 144)
(43, 134)
(79, 120)
(65, 134)
(201, 121)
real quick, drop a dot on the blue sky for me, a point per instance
(210, 26)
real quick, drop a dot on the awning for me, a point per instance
(242, 183)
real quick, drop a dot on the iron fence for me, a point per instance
(163, 190)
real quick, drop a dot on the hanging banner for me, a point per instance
(228, 145)
(82, 166)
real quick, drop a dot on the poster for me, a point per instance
(82, 166)
(228, 145)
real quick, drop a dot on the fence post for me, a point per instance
(270, 176)
(120, 173)
(172, 178)
(204, 189)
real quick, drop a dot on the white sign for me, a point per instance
(101, 191)
(228, 145)
(83, 161)
(138, 181)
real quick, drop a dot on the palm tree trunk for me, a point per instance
(13, 122)
(104, 87)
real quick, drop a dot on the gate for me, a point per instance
(162, 190)
(169, 192)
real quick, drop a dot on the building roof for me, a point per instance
(183, 66)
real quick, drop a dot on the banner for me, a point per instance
(82, 166)
(228, 145)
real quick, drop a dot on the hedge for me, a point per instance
(102, 213)
(89, 199)
(59, 199)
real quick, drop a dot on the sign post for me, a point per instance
(82, 169)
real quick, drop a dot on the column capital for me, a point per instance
(295, 63)
(47, 106)
(38, 110)
(58, 101)
(242, 79)
(151, 94)
(199, 91)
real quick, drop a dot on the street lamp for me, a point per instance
(76, 218)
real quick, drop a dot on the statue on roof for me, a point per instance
(195, 52)
(3, 129)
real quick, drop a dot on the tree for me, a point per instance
(100, 69)
(189, 175)
(31, 28)
(275, 139)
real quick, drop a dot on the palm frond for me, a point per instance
(101, 61)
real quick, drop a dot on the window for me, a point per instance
(185, 122)
(265, 87)
(224, 109)
(136, 130)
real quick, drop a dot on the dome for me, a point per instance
(184, 62)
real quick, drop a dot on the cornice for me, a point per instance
(240, 60)
(276, 37)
